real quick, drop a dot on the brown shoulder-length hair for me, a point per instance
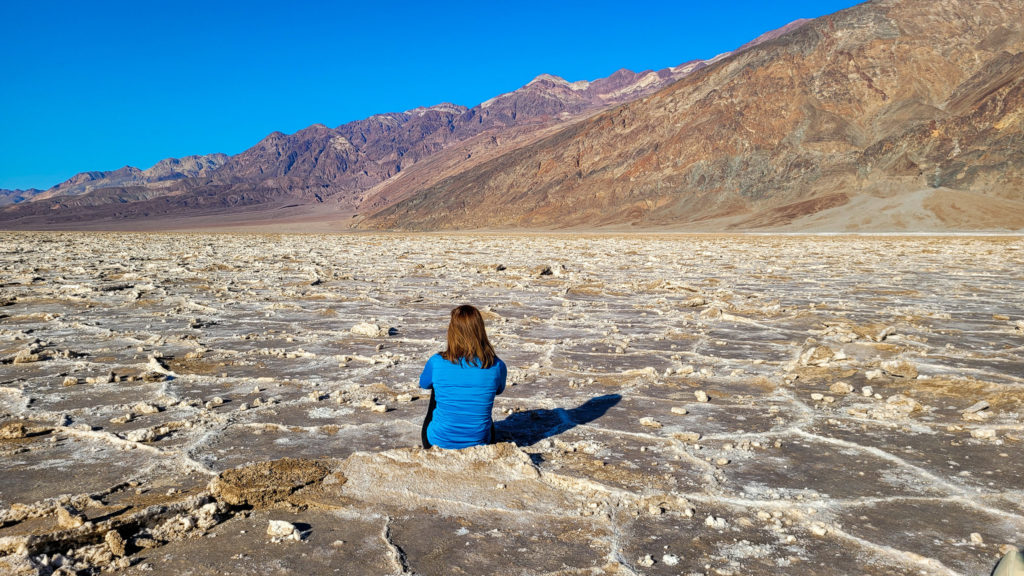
(467, 338)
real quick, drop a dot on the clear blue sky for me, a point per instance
(97, 85)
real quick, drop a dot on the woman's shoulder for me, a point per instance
(498, 365)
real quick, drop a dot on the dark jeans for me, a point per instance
(426, 421)
(430, 416)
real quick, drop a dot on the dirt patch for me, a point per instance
(266, 483)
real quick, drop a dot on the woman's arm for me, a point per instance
(426, 377)
(502, 376)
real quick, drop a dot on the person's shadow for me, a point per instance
(532, 426)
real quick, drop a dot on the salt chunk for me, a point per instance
(145, 408)
(115, 542)
(371, 330)
(25, 356)
(141, 435)
(716, 523)
(688, 437)
(976, 407)
(817, 356)
(650, 422)
(279, 530)
(670, 559)
(840, 388)
(701, 396)
(68, 517)
(646, 561)
(122, 419)
(983, 433)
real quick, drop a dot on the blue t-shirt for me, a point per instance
(464, 394)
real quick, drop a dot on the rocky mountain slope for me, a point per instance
(348, 169)
(874, 102)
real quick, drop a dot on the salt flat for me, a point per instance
(679, 404)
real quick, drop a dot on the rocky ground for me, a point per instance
(216, 404)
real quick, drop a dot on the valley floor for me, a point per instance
(718, 405)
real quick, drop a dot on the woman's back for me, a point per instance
(464, 395)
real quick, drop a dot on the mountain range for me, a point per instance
(893, 115)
